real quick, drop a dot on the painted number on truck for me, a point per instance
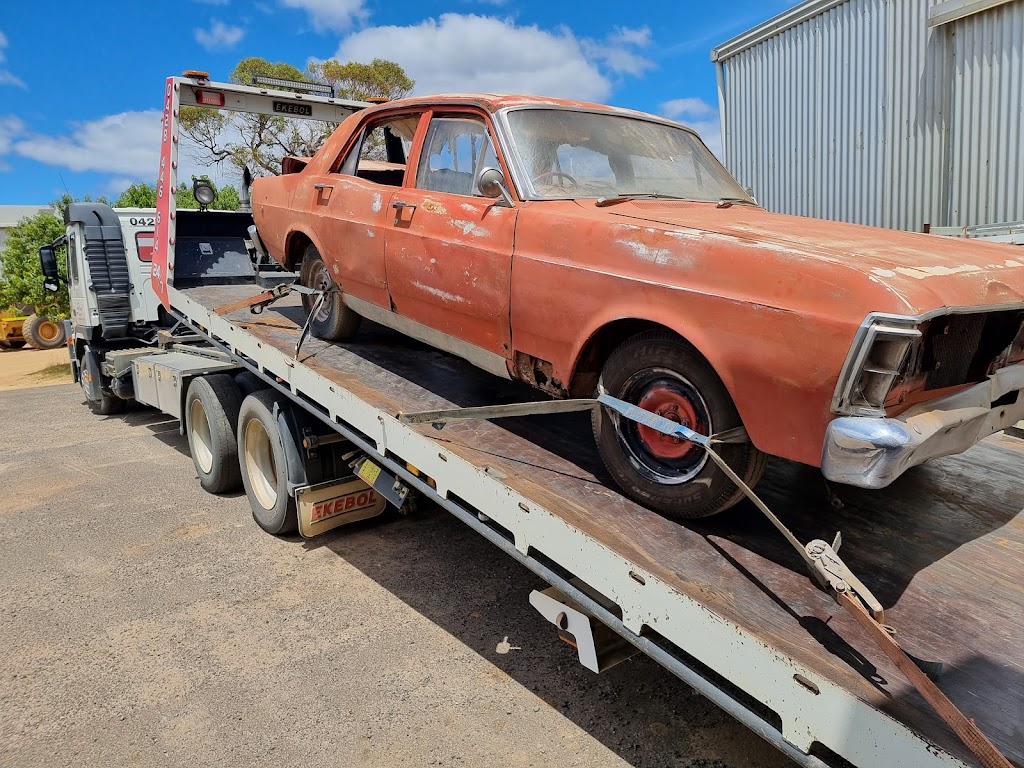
(144, 221)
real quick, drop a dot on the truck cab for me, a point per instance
(109, 261)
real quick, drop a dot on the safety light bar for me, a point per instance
(296, 85)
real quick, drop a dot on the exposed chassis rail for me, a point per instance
(741, 673)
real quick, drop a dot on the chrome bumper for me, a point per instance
(871, 452)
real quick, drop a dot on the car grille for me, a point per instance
(953, 349)
(960, 349)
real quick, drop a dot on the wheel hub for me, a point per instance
(323, 282)
(674, 406)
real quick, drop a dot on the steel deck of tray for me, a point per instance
(942, 548)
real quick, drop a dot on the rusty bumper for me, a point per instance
(872, 452)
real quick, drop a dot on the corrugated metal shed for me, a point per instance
(897, 113)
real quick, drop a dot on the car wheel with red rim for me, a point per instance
(661, 373)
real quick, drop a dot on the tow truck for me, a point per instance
(905, 651)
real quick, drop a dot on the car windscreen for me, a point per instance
(577, 154)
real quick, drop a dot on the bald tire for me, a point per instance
(340, 322)
(710, 491)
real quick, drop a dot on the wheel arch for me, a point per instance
(296, 243)
(606, 337)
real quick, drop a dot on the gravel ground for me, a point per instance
(146, 623)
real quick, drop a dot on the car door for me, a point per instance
(349, 205)
(449, 249)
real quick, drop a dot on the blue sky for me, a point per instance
(81, 82)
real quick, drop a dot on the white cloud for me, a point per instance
(6, 76)
(219, 36)
(127, 144)
(481, 53)
(337, 15)
(700, 116)
(10, 128)
(640, 37)
(691, 107)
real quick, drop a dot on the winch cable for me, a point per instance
(820, 557)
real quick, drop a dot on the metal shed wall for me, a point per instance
(860, 111)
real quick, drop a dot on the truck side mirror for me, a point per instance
(51, 273)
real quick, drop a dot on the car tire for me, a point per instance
(662, 373)
(211, 417)
(43, 333)
(264, 464)
(334, 321)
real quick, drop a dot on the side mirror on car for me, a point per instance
(491, 183)
(48, 263)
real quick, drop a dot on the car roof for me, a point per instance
(494, 102)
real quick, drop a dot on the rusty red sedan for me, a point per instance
(583, 248)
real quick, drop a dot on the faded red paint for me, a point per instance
(773, 302)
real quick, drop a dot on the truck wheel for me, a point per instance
(43, 333)
(101, 403)
(264, 464)
(661, 373)
(211, 416)
(334, 321)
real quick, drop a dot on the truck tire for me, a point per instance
(334, 321)
(43, 333)
(264, 464)
(211, 418)
(662, 373)
(102, 403)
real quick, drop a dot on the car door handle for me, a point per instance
(399, 206)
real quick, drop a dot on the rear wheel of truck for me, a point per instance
(661, 373)
(264, 464)
(333, 321)
(43, 333)
(211, 416)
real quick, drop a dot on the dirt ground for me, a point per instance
(146, 623)
(20, 368)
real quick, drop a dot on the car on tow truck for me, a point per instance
(583, 248)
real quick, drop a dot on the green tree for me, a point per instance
(142, 195)
(22, 280)
(265, 139)
(139, 195)
(226, 198)
(380, 79)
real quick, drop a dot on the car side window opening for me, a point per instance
(455, 150)
(381, 153)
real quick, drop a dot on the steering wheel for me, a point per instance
(555, 175)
